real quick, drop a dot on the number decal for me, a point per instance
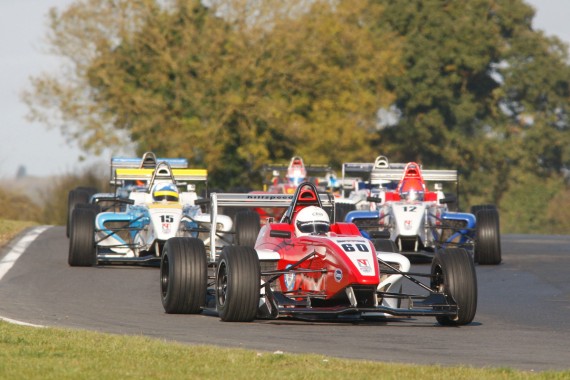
(350, 247)
(166, 218)
(410, 208)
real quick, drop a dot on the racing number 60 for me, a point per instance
(349, 247)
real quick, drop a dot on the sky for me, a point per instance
(43, 152)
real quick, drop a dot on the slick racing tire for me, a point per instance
(247, 228)
(82, 250)
(385, 245)
(75, 197)
(183, 276)
(341, 209)
(487, 238)
(475, 209)
(89, 206)
(453, 273)
(238, 278)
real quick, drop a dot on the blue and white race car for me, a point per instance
(151, 214)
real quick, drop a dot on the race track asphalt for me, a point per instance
(522, 320)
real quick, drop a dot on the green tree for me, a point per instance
(481, 92)
(229, 93)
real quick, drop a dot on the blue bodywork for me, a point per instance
(465, 234)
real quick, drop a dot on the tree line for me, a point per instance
(233, 85)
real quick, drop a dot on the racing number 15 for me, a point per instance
(349, 247)
(166, 218)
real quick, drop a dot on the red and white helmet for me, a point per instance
(312, 220)
(412, 189)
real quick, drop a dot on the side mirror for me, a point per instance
(451, 198)
(280, 234)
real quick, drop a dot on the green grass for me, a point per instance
(50, 353)
(10, 228)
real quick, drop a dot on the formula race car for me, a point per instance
(306, 267)
(83, 194)
(419, 220)
(137, 231)
(296, 172)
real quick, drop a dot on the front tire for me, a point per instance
(82, 250)
(183, 276)
(247, 228)
(487, 240)
(238, 278)
(453, 273)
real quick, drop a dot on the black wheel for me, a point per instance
(385, 245)
(89, 206)
(75, 197)
(90, 190)
(475, 209)
(453, 273)
(341, 209)
(183, 276)
(487, 239)
(82, 250)
(247, 226)
(238, 278)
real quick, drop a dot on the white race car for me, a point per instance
(419, 220)
(137, 231)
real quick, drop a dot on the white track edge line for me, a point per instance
(9, 260)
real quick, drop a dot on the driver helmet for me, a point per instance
(167, 192)
(412, 190)
(312, 220)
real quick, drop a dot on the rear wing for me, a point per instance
(147, 161)
(129, 162)
(126, 174)
(362, 171)
(380, 176)
(250, 201)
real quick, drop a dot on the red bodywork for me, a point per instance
(412, 174)
(324, 264)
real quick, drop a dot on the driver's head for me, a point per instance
(412, 190)
(165, 192)
(312, 220)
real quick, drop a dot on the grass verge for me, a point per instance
(50, 353)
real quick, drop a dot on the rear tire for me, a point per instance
(385, 245)
(183, 276)
(341, 209)
(487, 240)
(247, 226)
(453, 273)
(238, 279)
(74, 197)
(475, 209)
(82, 250)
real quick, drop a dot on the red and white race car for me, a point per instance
(306, 267)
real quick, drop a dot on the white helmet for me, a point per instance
(312, 220)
